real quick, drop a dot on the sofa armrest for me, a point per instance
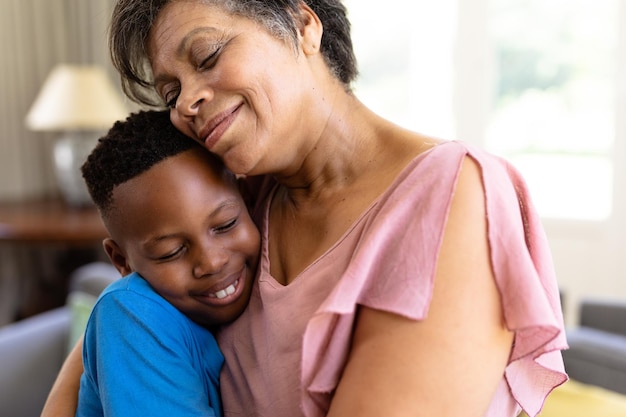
(93, 278)
(32, 350)
(31, 354)
(86, 284)
(607, 315)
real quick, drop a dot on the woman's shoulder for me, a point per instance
(431, 166)
(446, 152)
(420, 152)
(435, 160)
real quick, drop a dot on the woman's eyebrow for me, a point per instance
(182, 47)
(188, 38)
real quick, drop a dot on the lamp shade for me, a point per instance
(76, 98)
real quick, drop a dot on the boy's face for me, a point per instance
(187, 231)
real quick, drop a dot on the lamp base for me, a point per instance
(70, 152)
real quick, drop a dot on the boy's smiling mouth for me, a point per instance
(225, 292)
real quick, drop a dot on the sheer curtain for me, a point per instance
(35, 36)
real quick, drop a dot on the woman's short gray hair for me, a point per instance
(132, 20)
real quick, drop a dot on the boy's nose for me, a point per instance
(210, 261)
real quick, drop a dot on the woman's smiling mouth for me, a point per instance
(213, 132)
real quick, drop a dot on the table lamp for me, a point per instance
(79, 103)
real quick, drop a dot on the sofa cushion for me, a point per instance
(596, 357)
(31, 353)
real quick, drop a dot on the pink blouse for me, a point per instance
(285, 354)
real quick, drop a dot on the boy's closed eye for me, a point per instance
(227, 226)
(171, 255)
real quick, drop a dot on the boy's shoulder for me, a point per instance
(132, 282)
(131, 301)
(134, 287)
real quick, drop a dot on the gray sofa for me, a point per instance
(597, 353)
(32, 350)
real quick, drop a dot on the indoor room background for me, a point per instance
(540, 82)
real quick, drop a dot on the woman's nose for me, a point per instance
(191, 98)
(210, 261)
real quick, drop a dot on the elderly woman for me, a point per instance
(400, 275)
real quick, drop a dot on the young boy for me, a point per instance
(181, 234)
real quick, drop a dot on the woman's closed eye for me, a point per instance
(210, 61)
(170, 97)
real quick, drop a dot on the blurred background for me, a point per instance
(539, 82)
(53, 52)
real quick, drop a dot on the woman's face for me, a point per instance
(230, 85)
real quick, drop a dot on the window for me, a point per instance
(552, 111)
(531, 80)
(405, 56)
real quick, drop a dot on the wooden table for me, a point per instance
(49, 221)
(46, 240)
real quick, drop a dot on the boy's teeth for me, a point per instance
(226, 291)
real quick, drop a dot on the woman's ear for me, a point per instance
(310, 30)
(117, 256)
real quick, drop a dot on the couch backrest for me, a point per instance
(86, 284)
(607, 315)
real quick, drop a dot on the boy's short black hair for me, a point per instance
(130, 148)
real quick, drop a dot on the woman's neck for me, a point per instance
(352, 139)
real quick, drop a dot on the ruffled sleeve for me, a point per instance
(525, 276)
(393, 266)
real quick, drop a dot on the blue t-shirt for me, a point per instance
(143, 357)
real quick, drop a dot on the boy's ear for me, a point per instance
(117, 256)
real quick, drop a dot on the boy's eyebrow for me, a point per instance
(156, 239)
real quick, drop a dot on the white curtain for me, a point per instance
(35, 35)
